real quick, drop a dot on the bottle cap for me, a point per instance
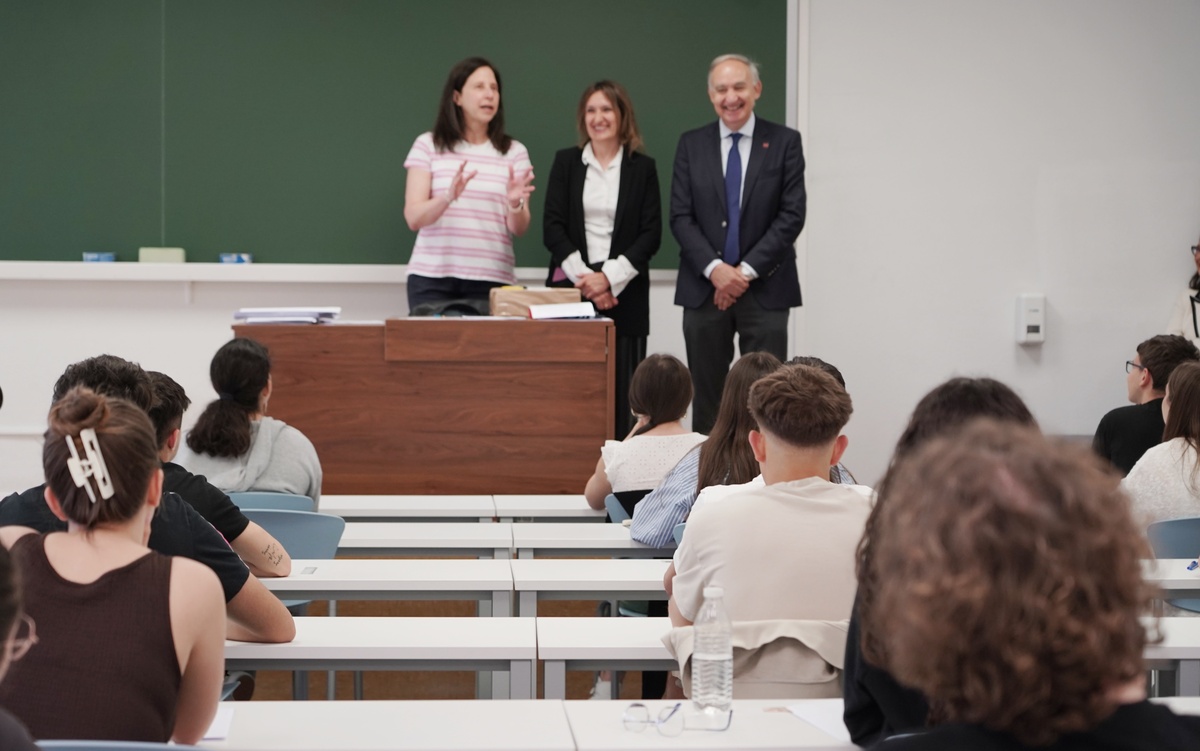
(712, 591)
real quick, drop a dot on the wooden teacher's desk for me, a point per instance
(442, 406)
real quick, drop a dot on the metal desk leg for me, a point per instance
(554, 679)
(526, 553)
(1188, 678)
(521, 677)
(502, 603)
(528, 607)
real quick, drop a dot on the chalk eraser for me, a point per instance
(237, 258)
(161, 255)
(99, 257)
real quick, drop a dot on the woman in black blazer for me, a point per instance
(603, 223)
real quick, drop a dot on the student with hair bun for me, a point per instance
(659, 394)
(150, 628)
(235, 445)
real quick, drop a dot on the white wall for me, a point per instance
(963, 151)
(959, 152)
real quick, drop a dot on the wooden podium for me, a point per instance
(435, 405)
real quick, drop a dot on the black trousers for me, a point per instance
(424, 289)
(631, 350)
(708, 334)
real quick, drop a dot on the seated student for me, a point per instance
(724, 458)
(1125, 433)
(130, 643)
(1009, 591)
(261, 552)
(659, 394)
(176, 528)
(876, 706)
(16, 631)
(784, 551)
(235, 445)
(1165, 482)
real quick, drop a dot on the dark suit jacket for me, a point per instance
(773, 210)
(637, 229)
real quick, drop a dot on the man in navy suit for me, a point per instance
(737, 207)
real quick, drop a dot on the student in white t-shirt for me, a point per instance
(659, 394)
(467, 192)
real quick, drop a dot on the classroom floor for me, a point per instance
(274, 685)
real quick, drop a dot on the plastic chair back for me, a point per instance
(303, 534)
(1176, 538)
(284, 501)
(616, 512)
(677, 532)
(108, 745)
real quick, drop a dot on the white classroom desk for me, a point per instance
(485, 581)
(411, 508)
(449, 725)
(1181, 646)
(427, 539)
(464, 725)
(384, 643)
(559, 508)
(562, 539)
(599, 644)
(756, 724)
(537, 579)
(1172, 576)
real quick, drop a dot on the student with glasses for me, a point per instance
(1185, 318)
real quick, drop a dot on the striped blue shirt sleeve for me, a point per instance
(655, 516)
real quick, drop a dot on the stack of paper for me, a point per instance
(288, 315)
(562, 310)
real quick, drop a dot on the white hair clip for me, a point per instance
(93, 466)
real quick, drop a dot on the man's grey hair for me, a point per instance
(753, 66)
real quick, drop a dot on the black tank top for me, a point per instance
(104, 666)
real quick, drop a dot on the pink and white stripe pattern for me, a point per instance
(471, 239)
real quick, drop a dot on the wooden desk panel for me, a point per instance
(513, 407)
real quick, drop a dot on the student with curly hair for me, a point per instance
(1013, 601)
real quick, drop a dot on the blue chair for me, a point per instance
(303, 534)
(108, 745)
(677, 532)
(280, 501)
(1177, 538)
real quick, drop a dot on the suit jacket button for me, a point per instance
(723, 224)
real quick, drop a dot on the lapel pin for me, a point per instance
(765, 144)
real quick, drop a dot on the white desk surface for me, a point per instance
(451, 725)
(756, 724)
(414, 538)
(464, 507)
(382, 639)
(572, 506)
(589, 574)
(1171, 574)
(377, 578)
(1181, 640)
(577, 639)
(565, 538)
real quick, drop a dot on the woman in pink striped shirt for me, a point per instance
(466, 195)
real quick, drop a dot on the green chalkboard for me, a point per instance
(279, 127)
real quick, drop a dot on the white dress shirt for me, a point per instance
(601, 187)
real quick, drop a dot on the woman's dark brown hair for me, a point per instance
(126, 440)
(239, 372)
(450, 126)
(944, 409)
(627, 132)
(10, 595)
(1009, 582)
(726, 457)
(661, 389)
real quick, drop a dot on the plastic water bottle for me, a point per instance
(712, 657)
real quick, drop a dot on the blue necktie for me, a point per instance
(733, 202)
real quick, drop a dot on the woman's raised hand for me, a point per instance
(519, 187)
